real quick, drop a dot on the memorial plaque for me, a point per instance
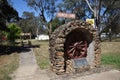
(80, 62)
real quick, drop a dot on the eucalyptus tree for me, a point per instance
(29, 23)
(78, 7)
(45, 8)
(56, 22)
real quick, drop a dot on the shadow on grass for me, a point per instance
(6, 50)
(9, 49)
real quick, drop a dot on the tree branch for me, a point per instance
(89, 6)
(113, 18)
(108, 7)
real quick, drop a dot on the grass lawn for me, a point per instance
(41, 53)
(110, 53)
(8, 63)
(9, 59)
(111, 59)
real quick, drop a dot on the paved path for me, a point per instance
(28, 68)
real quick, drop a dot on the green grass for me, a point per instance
(111, 59)
(110, 54)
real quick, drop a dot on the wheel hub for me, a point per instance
(77, 50)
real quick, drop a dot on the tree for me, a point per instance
(55, 23)
(77, 7)
(14, 32)
(30, 24)
(7, 13)
(105, 11)
(45, 8)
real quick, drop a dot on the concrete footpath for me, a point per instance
(28, 68)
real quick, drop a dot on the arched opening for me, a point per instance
(76, 44)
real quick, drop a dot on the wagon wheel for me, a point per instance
(77, 50)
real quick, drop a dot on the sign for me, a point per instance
(65, 15)
(91, 21)
(80, 62)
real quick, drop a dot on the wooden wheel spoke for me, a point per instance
(70, 50)
(74, 51)
(78, 49)
(80, 42)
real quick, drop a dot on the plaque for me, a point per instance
(80, 62)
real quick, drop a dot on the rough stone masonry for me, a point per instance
(60, 61)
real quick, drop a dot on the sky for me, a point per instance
(21, 6)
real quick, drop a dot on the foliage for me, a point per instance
(46, 10)
(7, 13)
(55, 23)
(14, 32)
(30, 24)
(2, 35)
(106, 13)
(77, 7)
(100, 10)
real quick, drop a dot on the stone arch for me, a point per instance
(59, 63)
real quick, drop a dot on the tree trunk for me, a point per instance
(50, 30)
(110, 35)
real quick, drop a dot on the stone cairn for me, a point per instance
(59, 64)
